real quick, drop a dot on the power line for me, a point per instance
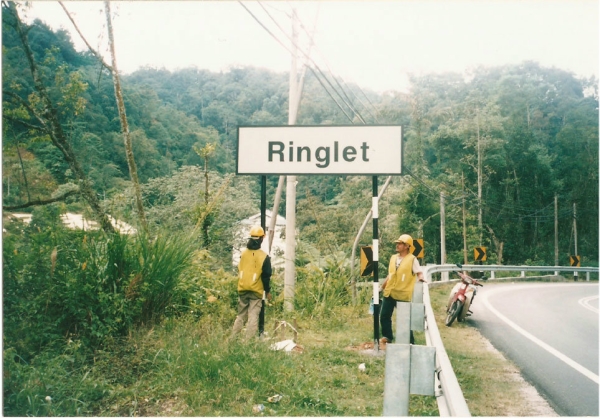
(264, 27)
(327, 64)
(512, 215)
(336, 78)
(308, 58)
(287, 49)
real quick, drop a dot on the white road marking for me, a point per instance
(585, 302)
(578, 367)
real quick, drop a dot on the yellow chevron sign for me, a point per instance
(366, 260)
(575, 261)
(419, 250)
(480, 254)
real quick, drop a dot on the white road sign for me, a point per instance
(320, 150)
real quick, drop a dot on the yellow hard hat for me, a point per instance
(257, 232)
(405, 238)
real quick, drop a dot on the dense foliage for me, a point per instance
(500, 144)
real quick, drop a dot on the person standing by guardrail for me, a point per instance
(403, 271)
(254, 278)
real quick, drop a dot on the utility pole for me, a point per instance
(575, 274)
(479, 181)
(555, 232)
(290, 193)
(443, 235)
(293, 107)
(464, 220)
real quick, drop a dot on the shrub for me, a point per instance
(61, 284)
(322, 283)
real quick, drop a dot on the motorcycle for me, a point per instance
(461, 297)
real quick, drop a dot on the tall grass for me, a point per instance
(163, 318)
(159, 263)
(189, 367)
(322, 284)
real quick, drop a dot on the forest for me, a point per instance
(511, 149)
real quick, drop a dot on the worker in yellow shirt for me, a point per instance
(403, 271)
(254, 278)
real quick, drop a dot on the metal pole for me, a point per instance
(355, 244)
(575, 274)
(290, 192)
(443, 235)
(375, 212)
(555, 232)
(263, 224)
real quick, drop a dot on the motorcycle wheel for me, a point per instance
(453, 312)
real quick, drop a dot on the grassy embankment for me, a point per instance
(189, 367)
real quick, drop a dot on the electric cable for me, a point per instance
(534, 215)
(311, 37)
(307, 57)
(287, 49)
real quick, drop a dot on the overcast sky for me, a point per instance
(374, 44)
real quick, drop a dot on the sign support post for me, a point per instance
(263, 224)
(374, 150)
(375, 211)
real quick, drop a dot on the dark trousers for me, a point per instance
(387, 309)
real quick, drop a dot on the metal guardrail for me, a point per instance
(431, 269)
(450, 399)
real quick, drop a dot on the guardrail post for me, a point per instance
(396, 392)
(587, 276)
(409, 317)
(417, 296)
(409, 369)
(403, 315)
(492, 274)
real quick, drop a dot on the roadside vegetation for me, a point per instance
(177, 358)
(101, 324)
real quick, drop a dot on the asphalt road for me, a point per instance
(550, 331)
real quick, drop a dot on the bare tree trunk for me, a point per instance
(498, 244)
(23, 171)
(206, 222)
(50, 124)
(124, 124)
